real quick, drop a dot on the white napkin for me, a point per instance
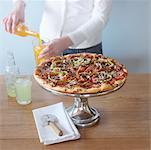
(46, 136)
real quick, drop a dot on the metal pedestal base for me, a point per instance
(82, 114)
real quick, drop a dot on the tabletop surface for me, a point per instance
(125, 124)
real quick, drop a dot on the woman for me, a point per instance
(72, 26)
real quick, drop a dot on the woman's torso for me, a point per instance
(61, 17)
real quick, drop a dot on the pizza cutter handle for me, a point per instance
(55, 129)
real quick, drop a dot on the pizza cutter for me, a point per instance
(51, 120)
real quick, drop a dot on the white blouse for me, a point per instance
(82, 20)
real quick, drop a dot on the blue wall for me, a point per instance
(128, 33)
(127, 36)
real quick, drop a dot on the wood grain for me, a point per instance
(125, 122)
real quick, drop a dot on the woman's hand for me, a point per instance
(56, 47)
(17, 15)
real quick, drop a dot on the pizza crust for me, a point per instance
(106, 87)
(119, 82)
(77, 90)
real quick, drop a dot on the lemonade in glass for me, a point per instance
(23, 87)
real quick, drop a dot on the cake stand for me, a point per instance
(81, 113)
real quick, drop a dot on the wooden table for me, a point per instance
(125, 124)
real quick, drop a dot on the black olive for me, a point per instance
(49, 63)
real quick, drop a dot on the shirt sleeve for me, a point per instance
(96, 23)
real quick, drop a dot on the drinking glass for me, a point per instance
(23, 86)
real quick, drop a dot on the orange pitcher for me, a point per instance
(22, 30)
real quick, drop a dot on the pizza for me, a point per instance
(81, 73)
